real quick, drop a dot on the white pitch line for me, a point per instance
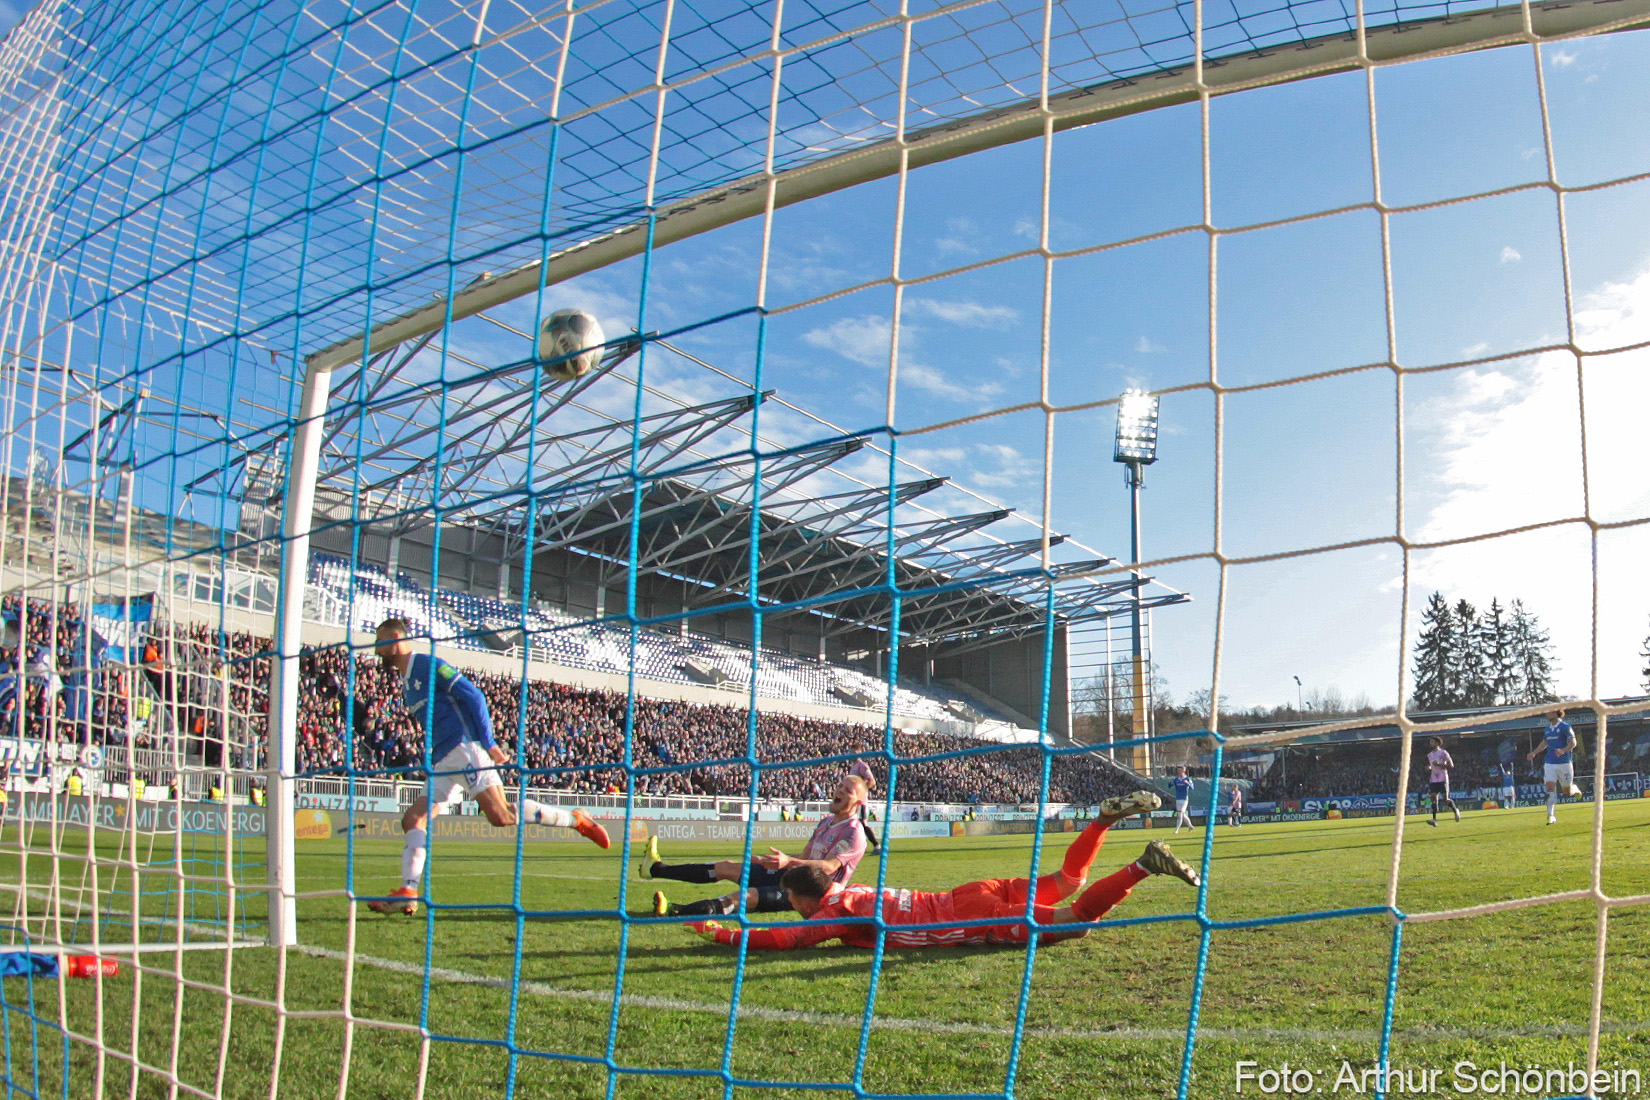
(896, 1023)
(945, 1027)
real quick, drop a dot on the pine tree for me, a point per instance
(1645, 653)
(1532, 650)
(1434, 657)
(1469, 673)
(1501, 666)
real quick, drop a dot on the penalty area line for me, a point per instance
(949, 1027)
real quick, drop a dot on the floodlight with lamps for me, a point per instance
(1136, 429)
(1136, 448)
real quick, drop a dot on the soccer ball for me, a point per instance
(566, 332)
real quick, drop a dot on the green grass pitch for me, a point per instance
(1106, 1015)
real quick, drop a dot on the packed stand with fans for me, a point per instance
(350, 718)
(575, 737)
(54, 683)
(361, 596)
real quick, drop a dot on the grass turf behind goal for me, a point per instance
(1107, 1012)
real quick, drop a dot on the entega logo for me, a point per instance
(311, 825)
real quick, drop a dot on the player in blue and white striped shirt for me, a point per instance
(460, 730)
(1559, 742)
(1182, 798)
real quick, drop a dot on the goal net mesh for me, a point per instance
(872, 278)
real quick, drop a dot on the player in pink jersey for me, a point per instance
(836, 847)
(825, 905)
(1439, 763)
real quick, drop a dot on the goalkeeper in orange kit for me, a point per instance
(937, 915)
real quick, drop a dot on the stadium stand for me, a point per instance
(574, 736)
(365, 597)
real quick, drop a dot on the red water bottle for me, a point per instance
(89, 966)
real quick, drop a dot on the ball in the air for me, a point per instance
(566, 332)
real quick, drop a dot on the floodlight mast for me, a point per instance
(1136, 448)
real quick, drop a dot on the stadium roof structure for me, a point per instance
(517, 454)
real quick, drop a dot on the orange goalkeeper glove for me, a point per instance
(709, 930)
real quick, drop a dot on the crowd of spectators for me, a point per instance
(576, 737)
(49, 685)
(573, 738)
(58, 681)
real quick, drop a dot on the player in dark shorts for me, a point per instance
(1440, 762)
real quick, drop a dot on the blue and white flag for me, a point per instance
(118, 628)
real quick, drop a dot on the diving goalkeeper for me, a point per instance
(822, 903)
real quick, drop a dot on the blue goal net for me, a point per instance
(489, 487)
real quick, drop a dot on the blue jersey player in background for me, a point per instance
(1560, 747)
(459, 729)
(1182, 798)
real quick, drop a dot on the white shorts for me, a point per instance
(1180, 805)
(467, 768)
(1562, 774)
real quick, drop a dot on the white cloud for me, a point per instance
(1147, 346)
(932, 381)
(967, 314)
(1508, 452)
(981, 466)
(961, 237)
(1510, 255)
(1562, 58)
(1475, 349)
(931, 456)
(615, 311)
(864, 340)
(999, 466)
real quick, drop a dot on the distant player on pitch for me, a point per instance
(1182, 798)
(823, 904)
(1509, 786)
(466, 758)
(1560, 748)
(836, 847)
(1439, 763)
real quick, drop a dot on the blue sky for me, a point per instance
(1311, 464)
(1305, 465)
